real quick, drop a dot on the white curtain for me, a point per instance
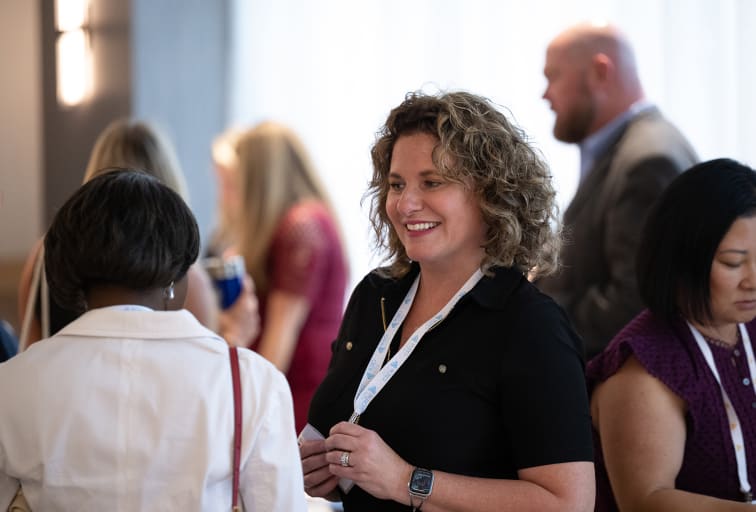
(332, 69)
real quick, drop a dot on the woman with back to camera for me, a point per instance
(130, 406)
(279, 219)
(454, 383)
(137, 144)
(673, 398)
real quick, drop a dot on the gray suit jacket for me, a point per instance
(603, 224)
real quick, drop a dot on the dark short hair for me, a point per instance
(683, 232)
(479, 146)
(123, 228)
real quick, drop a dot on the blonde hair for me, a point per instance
(138, 145)
(275, 174)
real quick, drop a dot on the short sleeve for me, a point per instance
(545, 392)
(658, 346)
(301, 250)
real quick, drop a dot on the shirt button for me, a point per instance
(753, 404)
(442, 368)
(746, 381)
(737, 353)
(349, 345)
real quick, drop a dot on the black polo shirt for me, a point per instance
(496, 387)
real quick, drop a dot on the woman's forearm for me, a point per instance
(567, 487)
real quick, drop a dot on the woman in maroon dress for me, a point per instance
(276, 214)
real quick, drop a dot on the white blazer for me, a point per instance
(133, 410)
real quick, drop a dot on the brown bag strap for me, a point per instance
(37, 288)
(234, 356)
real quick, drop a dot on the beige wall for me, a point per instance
(20, 129)
(20, 143)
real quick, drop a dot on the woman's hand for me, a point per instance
(240, 324)
(318, 480)
(373, 465)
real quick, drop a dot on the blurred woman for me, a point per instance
(136, 144)
(130, 406)
(278, 217)
(673, 395)
(455, 384)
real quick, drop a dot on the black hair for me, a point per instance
(683, 232)
(123, 228)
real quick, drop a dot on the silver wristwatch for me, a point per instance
(420, 486)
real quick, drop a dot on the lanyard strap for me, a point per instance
(375, 376)
(736, 432)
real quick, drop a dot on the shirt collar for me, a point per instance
(491, 292)
(597, 143)
(129, 307)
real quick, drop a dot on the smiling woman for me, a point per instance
(435, 349)
(436, 220)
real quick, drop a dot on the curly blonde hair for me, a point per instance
(483, 150)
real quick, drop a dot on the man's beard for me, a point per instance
(573, 125)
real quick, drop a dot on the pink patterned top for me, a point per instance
(669, 353)
(307, 259)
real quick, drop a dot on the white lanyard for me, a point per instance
(375, 377)
(736, 432)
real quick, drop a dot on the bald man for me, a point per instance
(628, 154)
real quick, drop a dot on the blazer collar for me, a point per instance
(588, 186)
(118, 323)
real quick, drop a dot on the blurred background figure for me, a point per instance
(132, 405)
(8, 341)
(628, 154)
(225, 163)
(136, 144)
(276, 214)
(673, 395)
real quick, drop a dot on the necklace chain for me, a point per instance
(721, 343)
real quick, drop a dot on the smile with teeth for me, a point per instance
(422, 226)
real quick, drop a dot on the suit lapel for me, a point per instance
(593, 182)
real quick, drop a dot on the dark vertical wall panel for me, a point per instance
(69, 132)
(179, 51)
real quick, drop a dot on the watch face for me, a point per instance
(421, 482)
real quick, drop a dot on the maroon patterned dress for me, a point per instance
(307, 259)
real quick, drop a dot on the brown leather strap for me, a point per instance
(234, 356)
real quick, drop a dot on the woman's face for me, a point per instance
(733, 274)
(229, 193)
(438, 222)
